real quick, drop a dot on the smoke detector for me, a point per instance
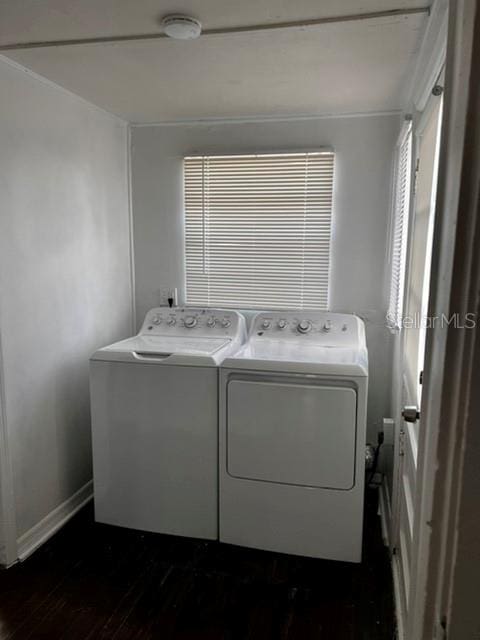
(181, 27)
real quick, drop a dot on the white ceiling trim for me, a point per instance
(264, 118)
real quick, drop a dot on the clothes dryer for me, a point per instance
(292, 436)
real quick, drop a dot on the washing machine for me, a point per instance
(292, 436)
(154, 404)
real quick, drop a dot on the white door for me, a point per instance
(413, 329)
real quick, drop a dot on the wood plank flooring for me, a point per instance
(93, 581)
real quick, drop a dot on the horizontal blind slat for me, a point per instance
(400, 230)
(257, 229)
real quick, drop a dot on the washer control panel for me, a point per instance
(181, 321)
(320, 327)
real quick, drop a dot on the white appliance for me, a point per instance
(292, 436)
(154, 401)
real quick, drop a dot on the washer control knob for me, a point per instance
(304, 326)
(226, 323)
(172, 321)
(266, 324)
(327, 326)
(190, 322)
(211, 322)
(282, 323)
(157, 319)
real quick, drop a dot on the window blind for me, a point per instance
(257, 230)
(401, 204)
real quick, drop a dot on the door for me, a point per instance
(299, 434)
(413, 330)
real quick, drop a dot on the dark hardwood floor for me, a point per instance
(95, 581)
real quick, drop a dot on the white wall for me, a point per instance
(65, 278)
(363, 167)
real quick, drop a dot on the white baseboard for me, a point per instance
(43, 530)
(385, 510)
(397, 598)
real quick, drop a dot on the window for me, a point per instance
(257, 230)
(401, 204)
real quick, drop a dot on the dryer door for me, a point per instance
(290, 433)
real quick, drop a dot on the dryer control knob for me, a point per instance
(190, 322)
(156, 319)
(211, 322)
(282, 324)
(327, 326)
(304, 326)
(171, 321)
(266, 324)
(226, 323)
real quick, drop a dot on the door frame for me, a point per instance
(449, 352)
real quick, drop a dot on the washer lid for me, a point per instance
(167, 350)
(168, 345)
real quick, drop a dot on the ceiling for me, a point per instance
(349, 67)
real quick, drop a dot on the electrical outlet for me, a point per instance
(168, 292)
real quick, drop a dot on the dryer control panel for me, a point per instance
(193, 321)
(322, 328)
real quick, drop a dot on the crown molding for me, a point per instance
(265, 118)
